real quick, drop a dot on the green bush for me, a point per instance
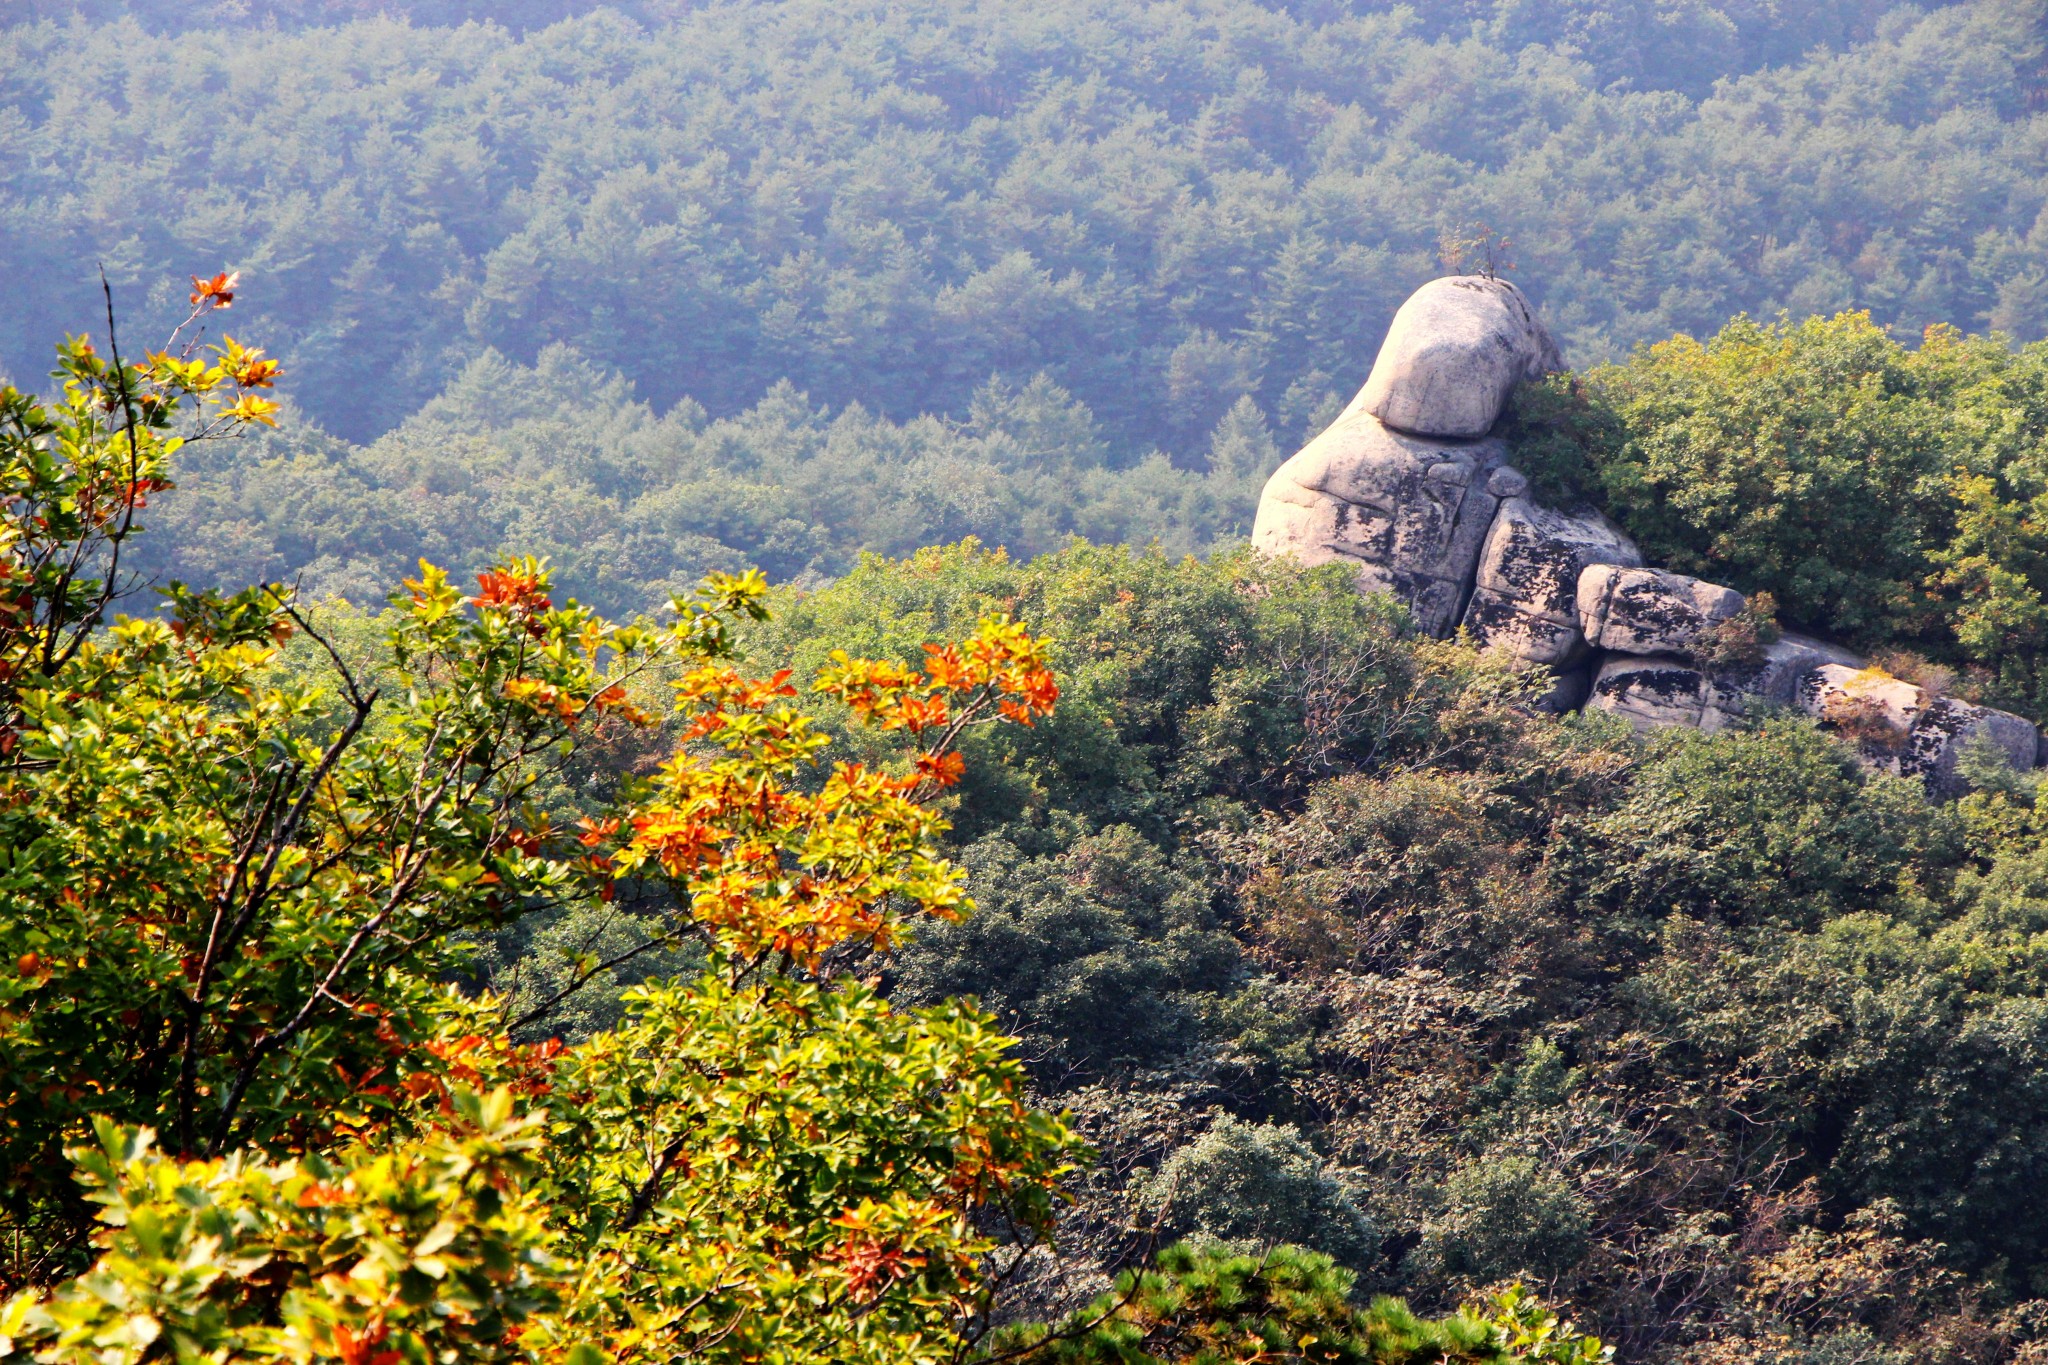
(1257, 1185)
(1509, 1214)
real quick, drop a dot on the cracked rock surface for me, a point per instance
(1655, 692)
(1525, 589)
(1774, 679)
(1407, 512)
(1649, 611)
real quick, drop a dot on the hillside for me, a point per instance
(1164, 207)
(479, 958)
(1094, 270)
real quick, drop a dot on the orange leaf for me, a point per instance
(218, 292)
(511, 592)
(320, 1195)
(944, 769)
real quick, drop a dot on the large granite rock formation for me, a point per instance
(1412, 489)
(1525, 586)
(1407, 512)
(1452, 359)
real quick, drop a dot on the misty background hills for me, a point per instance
(887, 274)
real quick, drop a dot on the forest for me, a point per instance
(794, 250)
(650, 734)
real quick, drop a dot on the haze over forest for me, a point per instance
(1023, 248)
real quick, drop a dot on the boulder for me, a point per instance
(1867, 705)
(1946, 727)
(1406, 512)
(1453, 356)
(1653, 693)
(1903, 729)
(1774, 679)
(1656, 691)
(1648, 611)
(1525, 589)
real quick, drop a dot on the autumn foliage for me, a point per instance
(245, 1115)
(230, 899)
(777, 872)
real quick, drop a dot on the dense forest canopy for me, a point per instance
(1163, 206)
(1319, 933)
(706, 286)
(266, 1089)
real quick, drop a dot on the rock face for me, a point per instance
(1774, 680)
(1412, 490)
(1407, 512)
(1404, 485)
(1525, 590)
(1902, 728)
(1947, 727)
(1865, 702)
(1649, 611)
(1456, 350)
(1654, 691)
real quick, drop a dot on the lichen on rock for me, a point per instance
(1649, 611)
(1407, 512)
(1525, 589)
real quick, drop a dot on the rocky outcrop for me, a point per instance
(1525, 588)
(1407, 512)
(1649, 611)
(1411, 488)
(1404, 486)
(1907, 730)
(1657, 690)
(1451, 360)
